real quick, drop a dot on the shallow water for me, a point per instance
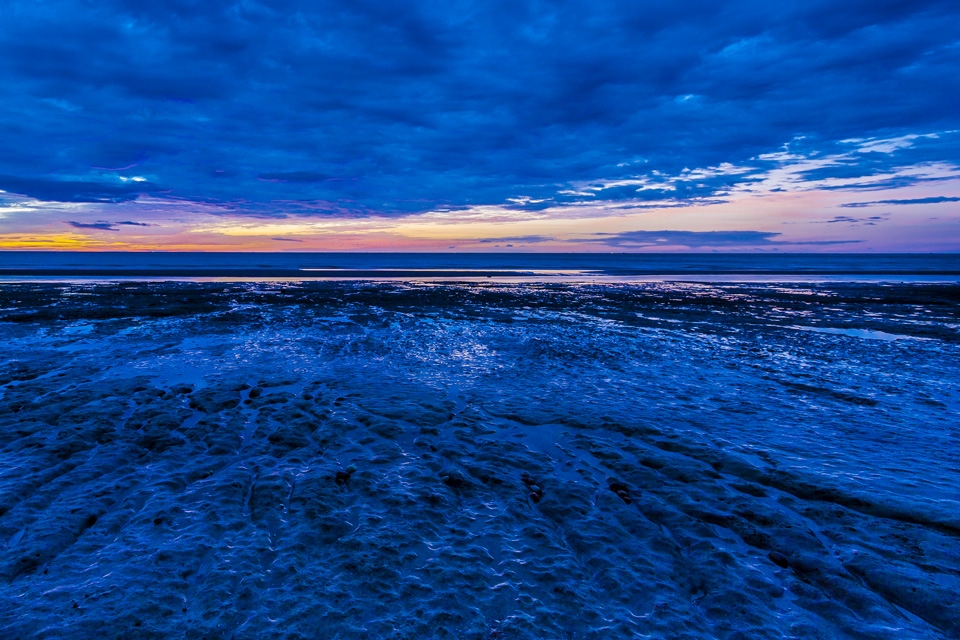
(507, 265)
(473, 460)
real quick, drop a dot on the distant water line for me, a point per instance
(520, 267)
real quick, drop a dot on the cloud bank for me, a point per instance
(700, 239)
(386, 109)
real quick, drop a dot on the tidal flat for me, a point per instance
(479, 460)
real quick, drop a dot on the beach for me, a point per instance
(355, 459)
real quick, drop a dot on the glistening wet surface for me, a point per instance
(355, 460)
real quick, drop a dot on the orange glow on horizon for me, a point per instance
(797, 218)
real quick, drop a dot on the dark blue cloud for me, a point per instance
(291, 107)
(75, 190)
(294, 176)
(517, 240)
(896, 182)
(101, 225)
(699, 239)
(930, 200)
(869, 221)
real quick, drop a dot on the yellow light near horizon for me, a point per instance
(59, 241)
(254, 229)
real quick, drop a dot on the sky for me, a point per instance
(381, 125)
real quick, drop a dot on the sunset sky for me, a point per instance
(480, 126)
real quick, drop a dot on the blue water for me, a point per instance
(408, 264)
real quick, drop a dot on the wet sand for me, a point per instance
(357, 460)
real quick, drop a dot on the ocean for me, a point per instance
(471, 265)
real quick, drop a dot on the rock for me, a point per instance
(535, 491)
(617, 487)
(622, 491)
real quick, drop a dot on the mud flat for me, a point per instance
(363, 460)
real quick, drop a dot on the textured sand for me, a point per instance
(416, 461)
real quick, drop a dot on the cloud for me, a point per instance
(389, 108)
(134, 224)
(293, 176)
(870, 221)
(517, 240)
(101, 225)
(74, 190)
(287, 239)
(930, 200)
(699, 239)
